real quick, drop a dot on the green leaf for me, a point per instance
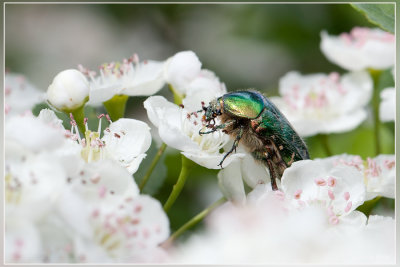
(381, 15)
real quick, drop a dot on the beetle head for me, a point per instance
(213, 110)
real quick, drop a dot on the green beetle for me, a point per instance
(252, 119)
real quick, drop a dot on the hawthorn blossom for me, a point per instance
(125, 141)
(20, 95)
(387, 107)
(179, 126)
(339, 189)
(114, 223)
(131, 78)
(62, 208)
(360, 49)
(320, 103)
(379, 173)
(68, 91)
(312, 217)
(181, 69)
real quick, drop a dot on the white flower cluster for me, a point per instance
(333, 103)
(312, 219)
(72, 199)
(20, 96)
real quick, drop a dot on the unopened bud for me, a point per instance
(69, 90)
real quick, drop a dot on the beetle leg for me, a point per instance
(272, 174)
(215, 128)
(234, 146)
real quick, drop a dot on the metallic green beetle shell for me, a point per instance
(243, 104)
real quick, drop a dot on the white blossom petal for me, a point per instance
(387, 107)
(126, 141)
(20, 95)
(231, 184)
(181, 69)
(362, 48)
(320, 103)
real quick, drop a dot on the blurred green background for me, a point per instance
(246, 45)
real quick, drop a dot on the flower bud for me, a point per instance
(69, 90)
(181, 69)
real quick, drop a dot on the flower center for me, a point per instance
(318, 100)
(92, 145)
(210, 143)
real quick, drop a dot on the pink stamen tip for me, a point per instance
(331, 181)
(108, 118)
(297, 194)
(95, 213)
(346, 196)
(95, 179)
(333, 220)
(320, 182)
(85, 120)
(348, 207)
(135, 221)
(100, 116)
(137, 209)
(331, 195)
(102, 191)
(71, 116)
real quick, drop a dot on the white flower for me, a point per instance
(32, 133)
(339, 189)
(387, 107)
(379, 173)
(131, 78)
(68, 91)
(319, 103)
(61, 209)
(360, 49)
(246, 169)
(114, 223)
(125, 141)
(20, 95)
(268, 232)
(205, 87)
(303, 219)
(21, 241)
(179, 128)
(181, 69)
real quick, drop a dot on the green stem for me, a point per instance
(375, 74)
(152, 166)
(79, 116)
(325, 144)
(116, 106)
(176, 190)
(178, 97)
(196, 219)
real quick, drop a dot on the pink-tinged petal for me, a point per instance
(373, 48)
